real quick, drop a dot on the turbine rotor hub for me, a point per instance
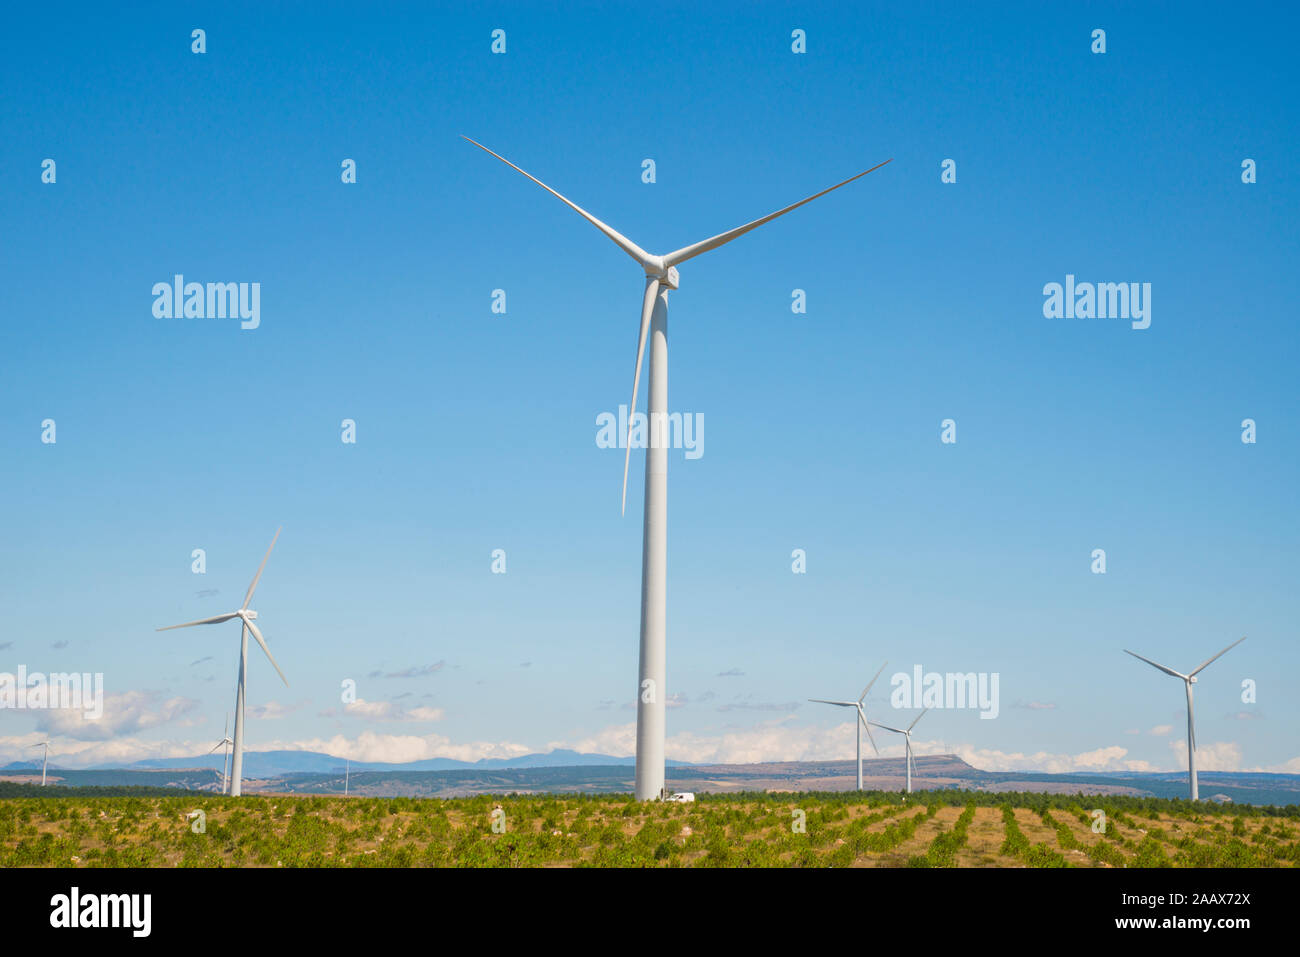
(248, 613)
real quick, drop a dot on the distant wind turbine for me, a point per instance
(862, 719)
(1189, 679)
(46, 763)
(226, 743)
(907, 737)
(247, 617)
(660, 277)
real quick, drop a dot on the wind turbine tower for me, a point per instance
(862, 719)
(247, 618)
(907, 738)
(1189, 679)
(225, 742)
(660, 277)
(46, 762)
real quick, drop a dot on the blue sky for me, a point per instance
(477, 431)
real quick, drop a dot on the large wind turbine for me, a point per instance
(46, 763)
(225, 765)
(246, 616)
(907, 737)
(660, 277)
(1189, 679)
(862, 719)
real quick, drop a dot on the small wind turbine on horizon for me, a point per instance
(907, 737)
(46, 763)
(862, 719)
(660, 277)
(226, 743)
(247, 617)
(1189, 679)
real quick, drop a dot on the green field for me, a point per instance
(869, 829)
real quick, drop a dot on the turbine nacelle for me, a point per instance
(667, 275)
(247, 614)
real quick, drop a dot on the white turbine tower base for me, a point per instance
(661, 277)
(907, 740)
(862, 719)
(246, 617)
(1189, 679)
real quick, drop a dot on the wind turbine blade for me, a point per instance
(647, 308)
(202, 621)
(219, 744)
(842, 704)
(871, 682)
(629, 247)
(262, 641)
(1205, 663)
(867, 724)
(1191, 720)
(918, 718)
(886, 727)
(1168, 671)
(690, 252)
(253, 586)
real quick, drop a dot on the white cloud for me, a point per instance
(368, 746)
(1217, 756)
(1110, 758)
(388, 711)
(424, 714)
(780, 740)
(1136, 765)
(124, 713)
(1161, 730)
(775, 740)
(70, 753)
(618, 740)
(400, 748)
(273, 710)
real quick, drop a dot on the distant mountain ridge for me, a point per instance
(571, 772)
(265, 764)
